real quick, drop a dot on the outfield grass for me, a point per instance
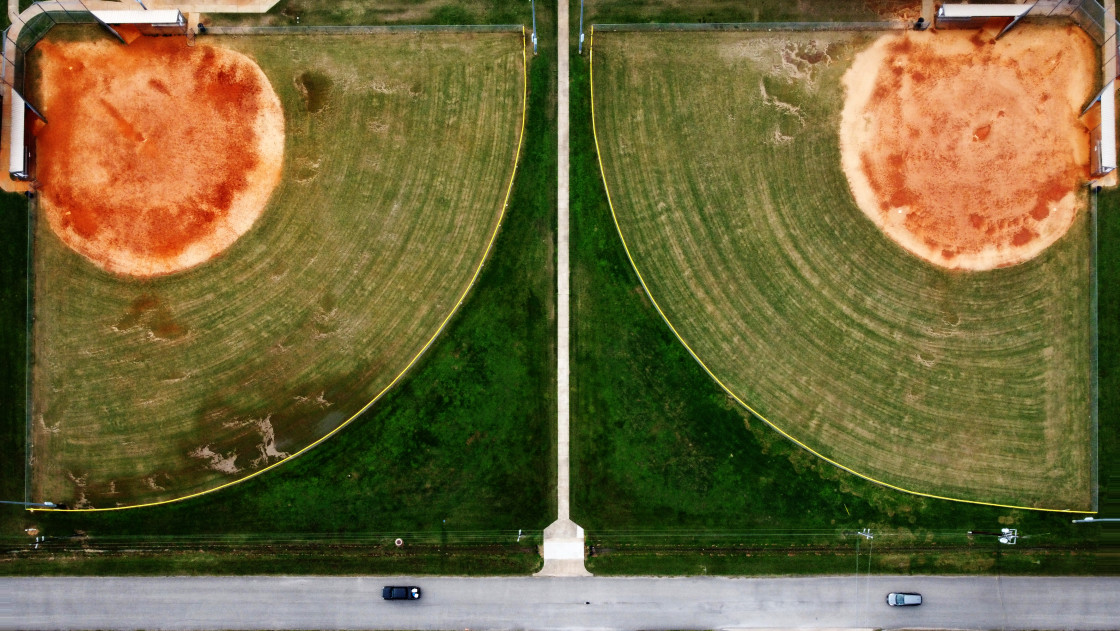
(720, 153)
(150, 390)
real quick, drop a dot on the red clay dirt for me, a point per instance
(158, 155)
(968, 151)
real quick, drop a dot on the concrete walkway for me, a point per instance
(927, 11)
(563, 540)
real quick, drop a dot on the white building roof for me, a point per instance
(1108, 127)
(155, 16)
(17, 159)
(962, 11)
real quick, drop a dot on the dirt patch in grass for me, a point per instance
(968, 150)
(158, 155)
(316, 90)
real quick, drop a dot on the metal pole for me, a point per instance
(581, 27)
(1090, 520)
(534, 3)
(43, 504)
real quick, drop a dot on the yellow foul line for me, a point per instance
(641, 279)
(454, 310)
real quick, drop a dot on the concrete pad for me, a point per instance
(564, 549)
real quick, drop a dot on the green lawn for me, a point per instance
(397, 162)
(722, 160)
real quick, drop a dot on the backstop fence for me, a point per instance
(1092, 17)
(30, 27)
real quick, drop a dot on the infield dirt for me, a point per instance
(158, 155)
(966, 150)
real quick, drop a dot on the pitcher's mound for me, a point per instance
(967, 151)
(157, 156)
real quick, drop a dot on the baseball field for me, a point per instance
(722, 157)
(153, 383)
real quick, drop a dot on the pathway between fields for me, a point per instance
(563, 540)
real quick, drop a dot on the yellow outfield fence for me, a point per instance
(740, 401)
(415, 358)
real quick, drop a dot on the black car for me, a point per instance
(400, 593)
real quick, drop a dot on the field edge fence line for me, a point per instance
(1094, 364)
(28, 340)
(893, 25)
(704, 366)
(509, 537)
(360, 30)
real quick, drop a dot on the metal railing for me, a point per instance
(894, 25)
(360, 30)
(32, 26)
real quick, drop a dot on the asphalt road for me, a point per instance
(557, 603)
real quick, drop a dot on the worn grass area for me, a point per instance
(392, 190)
(720, 153)
(981, 558)
(93, 559)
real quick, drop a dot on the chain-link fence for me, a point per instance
(30, 27)
(1094, 390)
(757, 26)
(28, 352)
(360, 30)
(1095, 20)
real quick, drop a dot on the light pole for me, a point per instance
(534, 4)
(581, 27)
(40, 504)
